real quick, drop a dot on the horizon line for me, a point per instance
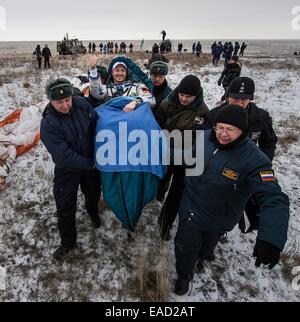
(153, 39)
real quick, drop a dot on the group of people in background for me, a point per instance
(42, 54)
(164, 47)
(218, 50)
(226, 51)
(111, 48)
(197, 48)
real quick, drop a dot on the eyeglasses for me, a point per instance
(229, 130)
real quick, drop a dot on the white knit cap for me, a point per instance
(118, 63)
(84, 86)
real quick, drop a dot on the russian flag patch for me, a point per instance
(267, 175)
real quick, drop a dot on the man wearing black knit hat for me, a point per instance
(181, 110)
(213, 203)
(184, 106)
(241, 91)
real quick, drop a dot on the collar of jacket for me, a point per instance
(255, 113)
(160, 88)
(174, 99)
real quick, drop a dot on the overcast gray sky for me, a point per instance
(137, 19)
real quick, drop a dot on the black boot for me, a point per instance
(210, 258)
(223, 238)
(182, 286)
(62, 251)
(199, 267)
(96, 221)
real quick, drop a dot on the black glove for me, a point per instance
(266, 253)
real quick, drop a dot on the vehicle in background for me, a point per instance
(70, 46)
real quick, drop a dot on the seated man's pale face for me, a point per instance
(119, 74)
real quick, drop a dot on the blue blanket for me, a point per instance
(127, 193)
(114, 127)
(127, 188)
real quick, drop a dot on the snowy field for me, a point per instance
(108, 267)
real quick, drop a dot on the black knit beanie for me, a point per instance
(234, 115)
(190, 85)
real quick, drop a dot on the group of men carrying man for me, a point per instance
(239, 145)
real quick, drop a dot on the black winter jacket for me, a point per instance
(160, 93)
(69, 138)
(215, 200)
(46, 52)
(230, 72)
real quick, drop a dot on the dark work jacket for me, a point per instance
(260, 124)
(160, 93)
(46, 52)
(38, 53)
(217, 51)
(215, 200)
(69, 138)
